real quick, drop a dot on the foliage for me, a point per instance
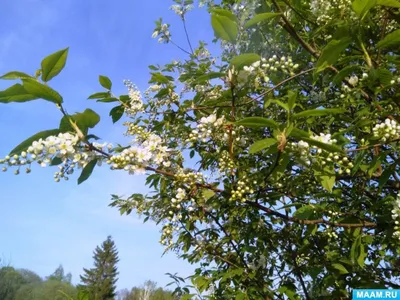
(315, 213)
(100, 281)
(148, 291)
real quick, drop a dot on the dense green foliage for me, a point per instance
(274, 164)
(100, 280)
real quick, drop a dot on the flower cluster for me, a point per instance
(314, 154)
(158, 101)
(386, 131)
(331, 233)
(396, 216)
(260, 69)
(242, 188)
(163, 32)
(65, 148)
(136, 103)
(328, 10)
(181, 10)
(225, 163)
(190, 178)
(135, 159)
(206, 128)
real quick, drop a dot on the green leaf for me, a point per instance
(105, 82)
(281, 104)
(42, 91)
(353, 249)
(262, 144)
(327, 182)
(344, 73)
(16, 93)
(87, 171)
(362, 256)
(391, 40)
(100, 95)
(224, 13)
(384, 76)
(319, 112)
(385, 177)
(108, 100)
(53, 64)
(362, 7)
(357, 162)
(15, 75)
(87, 119)
(331, 53)
(257, 122)
(327, 147)
(298, 133)
(224, 28)
(390, 3)
(340, 268)
(292, 97)
(258, 18)
(116, 113)
(209, 76)
(28, 142)
(304, 213)
(245, 59)
(207, 194)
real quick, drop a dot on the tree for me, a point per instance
(47, 290)
(59, 275)
(292, 128)
(10, 281)
(100, 281)
(148, 291)
(30, 276)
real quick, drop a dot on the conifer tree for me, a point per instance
(100, 281)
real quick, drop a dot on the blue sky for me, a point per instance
(44, 223)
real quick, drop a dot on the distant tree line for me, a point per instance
(97, 283)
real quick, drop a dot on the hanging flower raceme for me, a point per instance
(65, 149)
(315, 155)
(136, 103)
(396, 216)
(150, 150)
(328, 10)
(260, 71)
(387, 131)
(208, 127)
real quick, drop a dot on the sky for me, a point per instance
(45, 223)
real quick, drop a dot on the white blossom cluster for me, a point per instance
(243, 187)
(179, 204)
(331, 233)
(189, 177)
(206, 128)
(136, 158)
(163, 32)
(225, 163)
(396, 216)
(136, 103)
(353, 81)
(65, 146)
(395, 80)
(386, 131)
(158, 102)
(328, 10)
(302, 259)
(260, 69)
(181, 10)
(313, 154)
